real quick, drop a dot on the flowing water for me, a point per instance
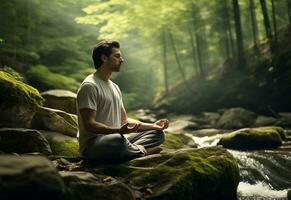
(264, 174)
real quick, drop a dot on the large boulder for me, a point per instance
(234, 118)
(60, 99)
(207, 173)
(253, 138)
(20, 140)
(18, 102)
(55, 120)
(88, 186)
(29, 177)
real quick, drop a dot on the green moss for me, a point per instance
(64, 148)
(13, 91)
(175, 141)
(253, 138)
(71, 119)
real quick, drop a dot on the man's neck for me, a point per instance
(103, 74)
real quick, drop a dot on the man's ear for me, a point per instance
(103, 57)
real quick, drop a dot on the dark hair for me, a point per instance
(103, 48)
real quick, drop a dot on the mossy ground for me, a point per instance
(64, 148)
(13, 91)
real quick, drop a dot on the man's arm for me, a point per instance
(158, 125)
(91, 125)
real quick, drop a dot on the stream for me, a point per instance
(264, 174)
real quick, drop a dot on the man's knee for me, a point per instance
(160, 135)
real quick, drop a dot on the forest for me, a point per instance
(220, 71)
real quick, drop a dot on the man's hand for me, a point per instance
(161, 124)
(129, 128)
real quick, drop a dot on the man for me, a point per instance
(102, 118)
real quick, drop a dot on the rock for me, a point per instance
(55, 120)
(284, 120)
(88, 186)
(253, 138)
(18, 102)
(206, 132)
(211, 117)
(182, 124)
(62, 145)
(29, 177)
(265, 121)
(206, 173)
(148, 118)
(20, 140)
(236, 118)
(60, 99)
(177, 141)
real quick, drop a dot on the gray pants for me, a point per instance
(115, 148)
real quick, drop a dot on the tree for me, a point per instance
(254, 24)
(239, 36)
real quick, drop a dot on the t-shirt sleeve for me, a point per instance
(87, 97)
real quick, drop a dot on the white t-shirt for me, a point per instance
(102, 96)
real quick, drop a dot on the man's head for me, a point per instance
(106, 53)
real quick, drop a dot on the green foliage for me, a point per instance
(13, 91)
(40, 76)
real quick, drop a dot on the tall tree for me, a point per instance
(164, 46)
(182, 72)
(239, 35)
(254, 24)
(267, 24)
(274, 20)
(288, 2)
(229, 29)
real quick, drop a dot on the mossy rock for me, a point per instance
(176, 141)
(207, 173)
(253, 138)
(289, 194)
(13, 91)
(62, 145)
(55, 120)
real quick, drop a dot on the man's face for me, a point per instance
(115, 60)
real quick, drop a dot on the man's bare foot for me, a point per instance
(154, 150)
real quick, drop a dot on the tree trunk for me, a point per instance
(254, 25)
(229, 30)
(194, 57)
(266, 20)
(164, 44)
(198, 41)
(289, 12)
(239, 36)
(178, 62)
(274, 20)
